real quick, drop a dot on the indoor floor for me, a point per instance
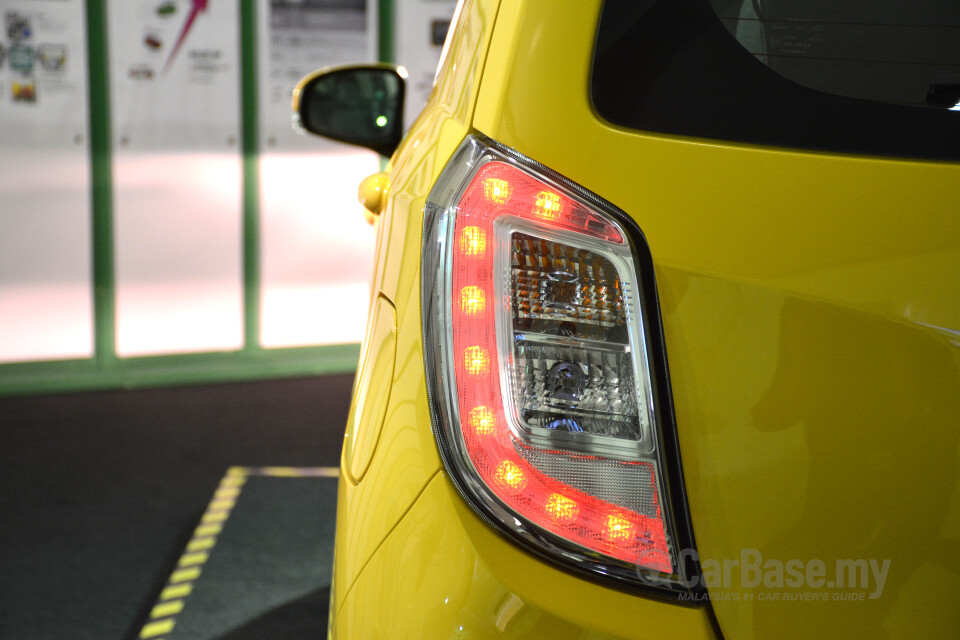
(198, 512)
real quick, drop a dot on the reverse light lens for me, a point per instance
(537, 356)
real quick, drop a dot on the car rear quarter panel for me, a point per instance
(812, 322)
(443, 573)
(401, 453)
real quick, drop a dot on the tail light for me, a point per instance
(548, 408)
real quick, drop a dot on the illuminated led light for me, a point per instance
(617, 528)
(473, 241)
(496, 190)
(381, 121)
(510, 475)
(562, 508)
(476, 360)
(547, 206)
(483, 421)
(472, 301)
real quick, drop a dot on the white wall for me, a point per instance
(317, 250)
(177, 180)
(178, 177)
(46, 295)
(418, 27)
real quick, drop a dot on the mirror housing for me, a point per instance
(356, 104)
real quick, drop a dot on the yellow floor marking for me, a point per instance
(223, 503)
(192, 559)
(233, 481)
(176, 591)
(173, 597)
(279, 472)
(201, 544)
(185, 575)
(205, 530)
(295, 472)
(165, 609)
(158, 628)
(216, 516)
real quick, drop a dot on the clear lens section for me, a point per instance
(572, 370)
(561, 290)
(626, 484)
(575, 389)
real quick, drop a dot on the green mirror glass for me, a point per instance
(357, 105)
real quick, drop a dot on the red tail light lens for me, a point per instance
(538, 362)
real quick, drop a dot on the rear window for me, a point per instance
(879, 77)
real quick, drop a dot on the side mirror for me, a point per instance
(357, 104)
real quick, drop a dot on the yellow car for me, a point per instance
(665, 332)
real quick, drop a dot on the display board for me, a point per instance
(420, 30)
(175, 104)
(46, 296)
(316, 249)
(176, 174)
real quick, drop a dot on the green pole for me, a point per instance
(251, 176)
(385, 30)
(384, 41)
(101, 170)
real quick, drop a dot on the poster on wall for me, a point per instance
(46, 293)
(177, 175)
(315, 245)
(42, 68)
(421, 29)
(298, 37)
(175, 72)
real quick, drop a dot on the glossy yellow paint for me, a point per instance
(432, 139)
(405, 455)
(812, 322)
(443, 573)
(372, 393)
(372, 194)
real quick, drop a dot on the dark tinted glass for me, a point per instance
(875, 77)
(362, 106)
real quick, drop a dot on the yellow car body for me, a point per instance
(811, 318)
